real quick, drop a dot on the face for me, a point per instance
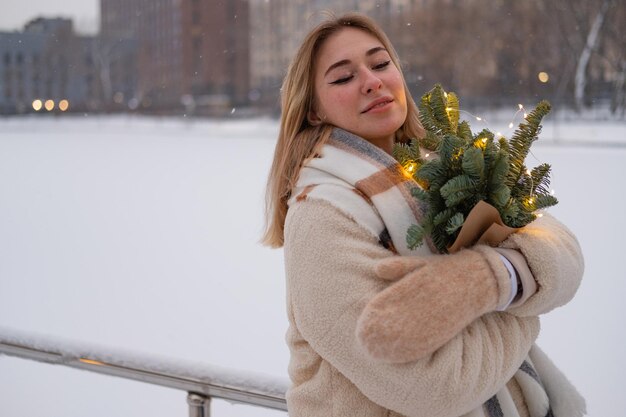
(358, 87)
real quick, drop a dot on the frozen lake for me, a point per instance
(142, 233)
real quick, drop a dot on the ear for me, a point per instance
(313, 118)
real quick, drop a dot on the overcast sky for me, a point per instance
(85, 13)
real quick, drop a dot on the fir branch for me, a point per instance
(541, 179)
(500, 196)
(433, 112)
(458, 189)
(545, 201)
(415, 236)
(452, 111)
(431, 141)
(442, 217)
(522, 139)
(455, 223)
(471, 168)
(402, 153)
(474, 164)
(464, 131)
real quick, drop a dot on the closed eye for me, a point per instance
(343, 80)
(377, 67)
(382, 65)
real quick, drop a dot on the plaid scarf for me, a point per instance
(366, 183)
(372, 188)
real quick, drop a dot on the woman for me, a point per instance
(375, 328)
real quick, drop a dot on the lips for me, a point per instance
(378, 102)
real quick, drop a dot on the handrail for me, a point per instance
(198, 379)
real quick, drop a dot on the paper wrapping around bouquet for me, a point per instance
(482, 225)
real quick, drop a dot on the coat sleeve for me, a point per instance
(555, 260)
(329, 264)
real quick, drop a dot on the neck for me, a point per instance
(385, 143)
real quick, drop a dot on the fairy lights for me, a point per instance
(410, 168)
(520, 109)
(531, 200)
(478, 118)
(482, 142)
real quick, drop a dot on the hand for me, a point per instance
(432, 300)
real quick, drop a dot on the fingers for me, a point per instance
(395, 267)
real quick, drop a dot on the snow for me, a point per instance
(145, 361)
(141, 234)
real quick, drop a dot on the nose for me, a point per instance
(371, 82)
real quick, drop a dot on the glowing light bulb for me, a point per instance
(37, 104)
(520, 107)
(479, 119)
(427, 155)
(528, 172)
(539, 215)
(551, 192)
(410, 168)
(64, 105)
(511, 125)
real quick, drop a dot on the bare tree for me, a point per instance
(591, 43)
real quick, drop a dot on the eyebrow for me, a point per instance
(369, 52)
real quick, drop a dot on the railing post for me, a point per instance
(199, 405)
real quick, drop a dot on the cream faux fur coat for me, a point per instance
(329, 263)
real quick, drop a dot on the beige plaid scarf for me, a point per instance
(367, 184)
(371, 187)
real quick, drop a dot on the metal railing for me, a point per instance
(202, 382)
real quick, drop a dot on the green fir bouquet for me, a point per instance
(470, 170)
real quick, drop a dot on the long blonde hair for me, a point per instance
(298, 138)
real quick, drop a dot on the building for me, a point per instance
(279, 26)
(47, 63)
(37, 64)
(191, 53)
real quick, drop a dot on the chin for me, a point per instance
(384, 128)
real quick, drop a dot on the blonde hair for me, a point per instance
(298, 138)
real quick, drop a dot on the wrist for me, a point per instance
(514, 281)
(500, 274)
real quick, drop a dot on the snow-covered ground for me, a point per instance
(142, 233)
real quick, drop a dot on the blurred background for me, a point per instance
(135, 141)
(201, 57)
